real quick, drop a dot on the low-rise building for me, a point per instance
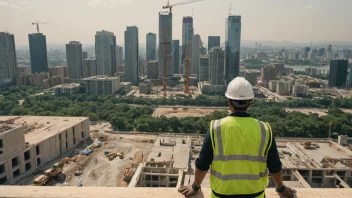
(204, 68)
(28, 143)
(207, 88)
(145, 87)
(66, 89)
(126, 86)
(102, 85)
(58, 71)
(300, 90)
(24, 70)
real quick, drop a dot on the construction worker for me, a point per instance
(239, 151)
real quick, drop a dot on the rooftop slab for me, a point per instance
(31, 191)
(43, 126)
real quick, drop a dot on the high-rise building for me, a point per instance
(204, 68)
(38, 52)
(89, 67)
(267, 73)
(216, 66)
(322, 51)
(8, 61)
(251, 77)
(132, 55)
(152, 70)
(305, 52)
(350, 76)
(105, 53)
(338, 73)
(213, 41)
(176, 46)
(187, 35)
(195, 58)
(232, 48)
(300, 90)
(282, 88)
(165, 24)
(85, 55)
(329, 49)
(119, 55)
(151, 46)
(74, 57)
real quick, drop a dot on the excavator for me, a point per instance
(57, 169)
(112, 155)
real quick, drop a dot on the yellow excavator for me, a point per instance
(57, 169)
(112, 155)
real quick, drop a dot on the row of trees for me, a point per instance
(125, 117)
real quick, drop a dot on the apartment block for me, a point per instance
(102, 85)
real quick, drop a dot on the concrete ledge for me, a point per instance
(29, 191)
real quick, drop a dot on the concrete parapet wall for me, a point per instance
(31, 191)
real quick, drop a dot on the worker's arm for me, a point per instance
(275, 168)
(203, 163)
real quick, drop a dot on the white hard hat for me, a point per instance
(239, 89)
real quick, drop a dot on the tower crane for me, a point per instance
(170, 6)
(37, 23)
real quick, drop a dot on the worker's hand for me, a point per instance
(187, 191)
(288, 193)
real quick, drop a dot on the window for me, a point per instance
(82, 133)
(16, 173)
(28, 166)
(1, 144)
(2, 168)
(27, 155)
(73, 131)
(66, 135)
(38, 161)
(37, 150)
(3, 180)
(60, 137)
(74, 140)
(66, 145)
(14, 162)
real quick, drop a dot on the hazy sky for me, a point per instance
(293, 20)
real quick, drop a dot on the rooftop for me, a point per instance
(68, 85)
(100, 78)
(4, 128)
(39, 128)
(32, 191)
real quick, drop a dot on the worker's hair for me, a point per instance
(240, 105)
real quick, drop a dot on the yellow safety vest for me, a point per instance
(240, 147)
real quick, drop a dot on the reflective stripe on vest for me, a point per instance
(239, 176)
(221, 157)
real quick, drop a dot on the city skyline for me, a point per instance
(320, 19)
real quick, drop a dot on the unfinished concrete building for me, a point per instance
(29, 142)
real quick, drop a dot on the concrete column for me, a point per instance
(347, 174)
(310, 175)
(323, 177)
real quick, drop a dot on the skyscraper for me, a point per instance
(213, 41)
(151, 46)
(119, 55)
(350, 76)
(105, 53)
(176, 45)
(232, 47)
(165, 24)
(85, 55)
(8, 61)
(216, 66)
(132, 55)
(38, 52)
(187, 35)
(204, 68)
(338, 73)
(89, 67)
(74, 60)
(195, 57)
(305, 52)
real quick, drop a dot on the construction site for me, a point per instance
(34, 152)
(183, 111)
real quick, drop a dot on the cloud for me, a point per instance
(24, 2)
(6, 4)
(309, 7)
(95, 3)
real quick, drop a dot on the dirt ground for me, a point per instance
(99, 171)
(320, 112)
(181, 113)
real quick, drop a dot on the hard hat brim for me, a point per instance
(240, 98)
